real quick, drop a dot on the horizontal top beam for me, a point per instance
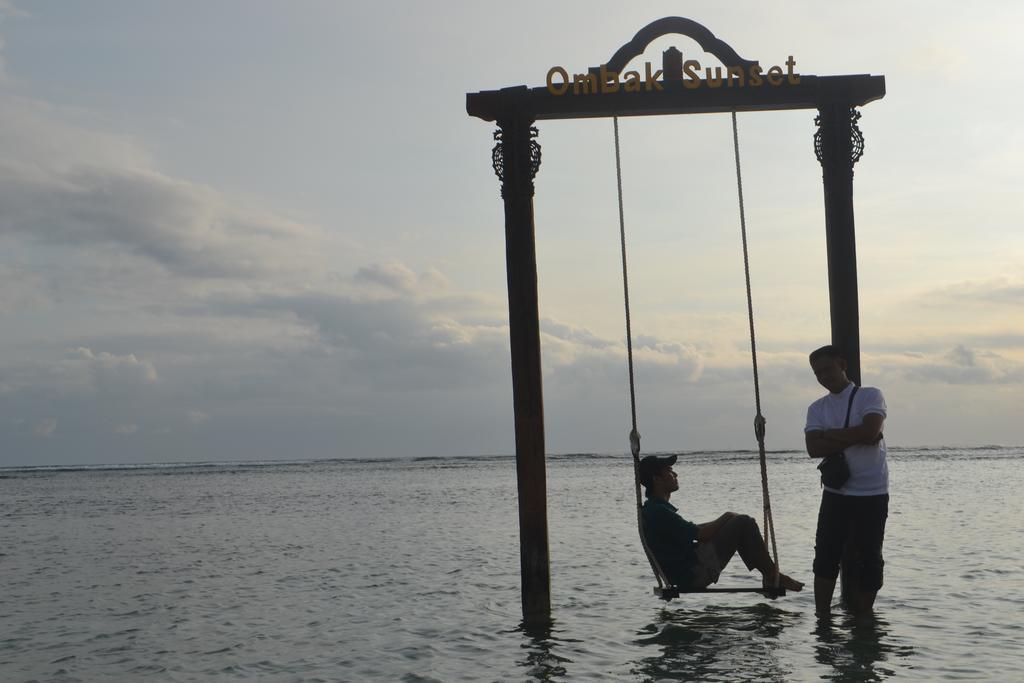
(812, 92)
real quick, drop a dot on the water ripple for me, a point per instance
(317, 571)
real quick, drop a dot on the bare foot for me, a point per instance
(785, 583)
(790, 584)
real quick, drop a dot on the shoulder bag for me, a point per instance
(834, 468)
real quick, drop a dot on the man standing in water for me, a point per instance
(854, 513)
(693, 555)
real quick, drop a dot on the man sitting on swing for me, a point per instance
(693, 555)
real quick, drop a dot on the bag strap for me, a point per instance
(849, 406)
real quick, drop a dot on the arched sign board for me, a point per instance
(745, 85)
(680, 86)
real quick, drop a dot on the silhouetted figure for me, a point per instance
(856, 510)
(693, 555)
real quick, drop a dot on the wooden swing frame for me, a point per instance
(516, 156)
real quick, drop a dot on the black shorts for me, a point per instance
(859, 520)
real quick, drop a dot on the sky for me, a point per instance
(260, 230)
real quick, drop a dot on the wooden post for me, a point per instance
(516, 159)
(838, 145)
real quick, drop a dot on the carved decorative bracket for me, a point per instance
(498, 154)
(856, 141)
(856, 137)
(498, 158)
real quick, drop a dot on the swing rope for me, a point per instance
(759, 421)
(634, 435)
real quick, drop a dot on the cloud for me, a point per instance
(4, 78)
(686, 358)
(397, 278)
(186, 228)
(576, 335)
(394, 276)
(41, 140)
(22, 288)
(107, 374)
(1005, 290)
(237, 327)
(387, 343)
(45, 428)
(80, 373)
(960, 365)
(138, 270)
(7, 9)
(85, 197)
(435, 279)
(317, 372)
(578, 359)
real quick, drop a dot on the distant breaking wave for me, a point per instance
(439, 462)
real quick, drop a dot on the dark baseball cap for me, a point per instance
(650, 465)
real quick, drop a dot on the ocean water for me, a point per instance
(408, 570)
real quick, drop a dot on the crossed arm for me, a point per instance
(828, 441)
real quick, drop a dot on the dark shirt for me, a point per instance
(671, 539)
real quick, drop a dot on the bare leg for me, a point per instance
(864, 602)
(741, 534)
(823, 590)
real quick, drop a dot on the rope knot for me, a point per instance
(634, 443)
(759, 427)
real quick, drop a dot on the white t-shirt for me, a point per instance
(869, 475)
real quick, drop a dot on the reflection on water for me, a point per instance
(715, 644)
(291, 572)
(541, 662)
(856, 647)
